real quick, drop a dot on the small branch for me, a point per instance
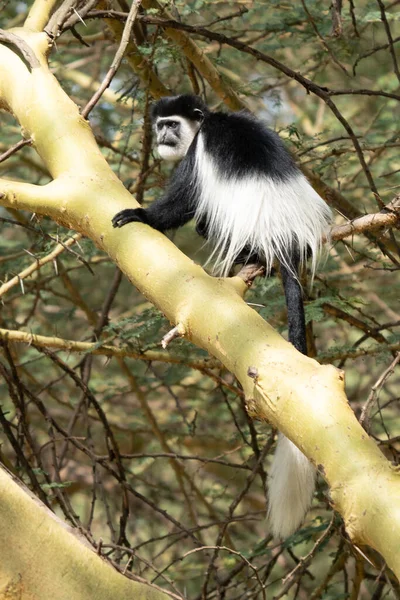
(42, 341)
(373, 51)
(146, 147)
(49, 237)
(202, 459)
(9, 434)
(14, 149)
(338, 313)
(336, 12)
(78, 17)
(387, 217)
(303, 563)
(23, 49)
(175, 332)
(136, 60)
(38, 264)
(320, 37)
(54, 25)
(364, 92)
(353, 17)
(117, 59)
(249, 272)
(390, 38)
(330, 357)
(375, 391)
(235, 553)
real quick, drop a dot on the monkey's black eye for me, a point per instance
(170, 124)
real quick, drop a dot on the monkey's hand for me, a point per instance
(130, 215)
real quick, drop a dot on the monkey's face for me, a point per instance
(174, 136)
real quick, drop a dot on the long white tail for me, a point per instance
(291, 487)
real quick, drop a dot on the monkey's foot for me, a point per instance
(129, 215)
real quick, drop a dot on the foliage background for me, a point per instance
(157, 461)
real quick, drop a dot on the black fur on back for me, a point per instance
(241, 145)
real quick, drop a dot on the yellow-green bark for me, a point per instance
(43, 558)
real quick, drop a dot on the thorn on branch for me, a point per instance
(21, 283)
(79, 16)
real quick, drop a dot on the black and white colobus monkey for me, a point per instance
(250, 200)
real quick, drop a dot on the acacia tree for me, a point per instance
(160, 491)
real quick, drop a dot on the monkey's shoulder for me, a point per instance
(242, 145)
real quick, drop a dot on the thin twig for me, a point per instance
(303, 563)
(390, 38)
(244, 559)
(376, 389)
(320, 37)
(66, 345)
(126, 34)
(39, 262)
(15, 149)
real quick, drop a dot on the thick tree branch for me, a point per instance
(39, 14)
(53, 573)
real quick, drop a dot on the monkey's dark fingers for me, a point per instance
(129, 215)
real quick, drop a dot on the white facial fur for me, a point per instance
(258, 213)
(182, 137)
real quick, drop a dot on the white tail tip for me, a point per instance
(291, 488)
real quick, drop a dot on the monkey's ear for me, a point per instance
(199, 114)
